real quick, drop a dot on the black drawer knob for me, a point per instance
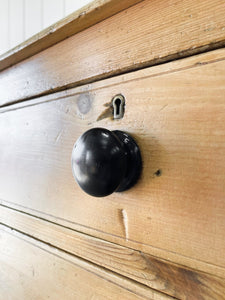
(105, 161)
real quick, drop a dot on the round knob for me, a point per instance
(105, 161)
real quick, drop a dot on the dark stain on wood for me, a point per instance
(181, 282)
(107, 113)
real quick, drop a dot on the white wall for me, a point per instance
(20, 19)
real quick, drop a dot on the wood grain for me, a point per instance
(145, 34)
(171, 279)
(81, 19)
(175, 112)
(33, 270)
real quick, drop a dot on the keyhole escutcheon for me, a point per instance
(118, 103)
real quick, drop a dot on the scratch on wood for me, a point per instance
(125, 223)
(32, 270)
(163, 107)
(58, 137)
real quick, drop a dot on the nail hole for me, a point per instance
(158, 173)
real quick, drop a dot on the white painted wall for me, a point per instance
(20, 19)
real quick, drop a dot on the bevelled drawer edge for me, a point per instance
(129, 40)
(172, 279)
(89, 15)
(33, 269)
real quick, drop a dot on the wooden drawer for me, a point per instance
(164, 237)
(176, 113)
(169, 278)
(36, 271)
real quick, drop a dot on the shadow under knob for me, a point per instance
(105, 161)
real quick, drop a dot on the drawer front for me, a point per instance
(33, 270)
(176, 114)
(159, 274)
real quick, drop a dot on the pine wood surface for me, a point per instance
(33, 270)
(87, 16)
(180, 129)
(174, 280)
(145, 34)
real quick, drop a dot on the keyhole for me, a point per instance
(118, 103)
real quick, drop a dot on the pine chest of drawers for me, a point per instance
(165, 237)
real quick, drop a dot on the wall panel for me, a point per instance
(33, 17)
(16, 22)
(4, 26)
